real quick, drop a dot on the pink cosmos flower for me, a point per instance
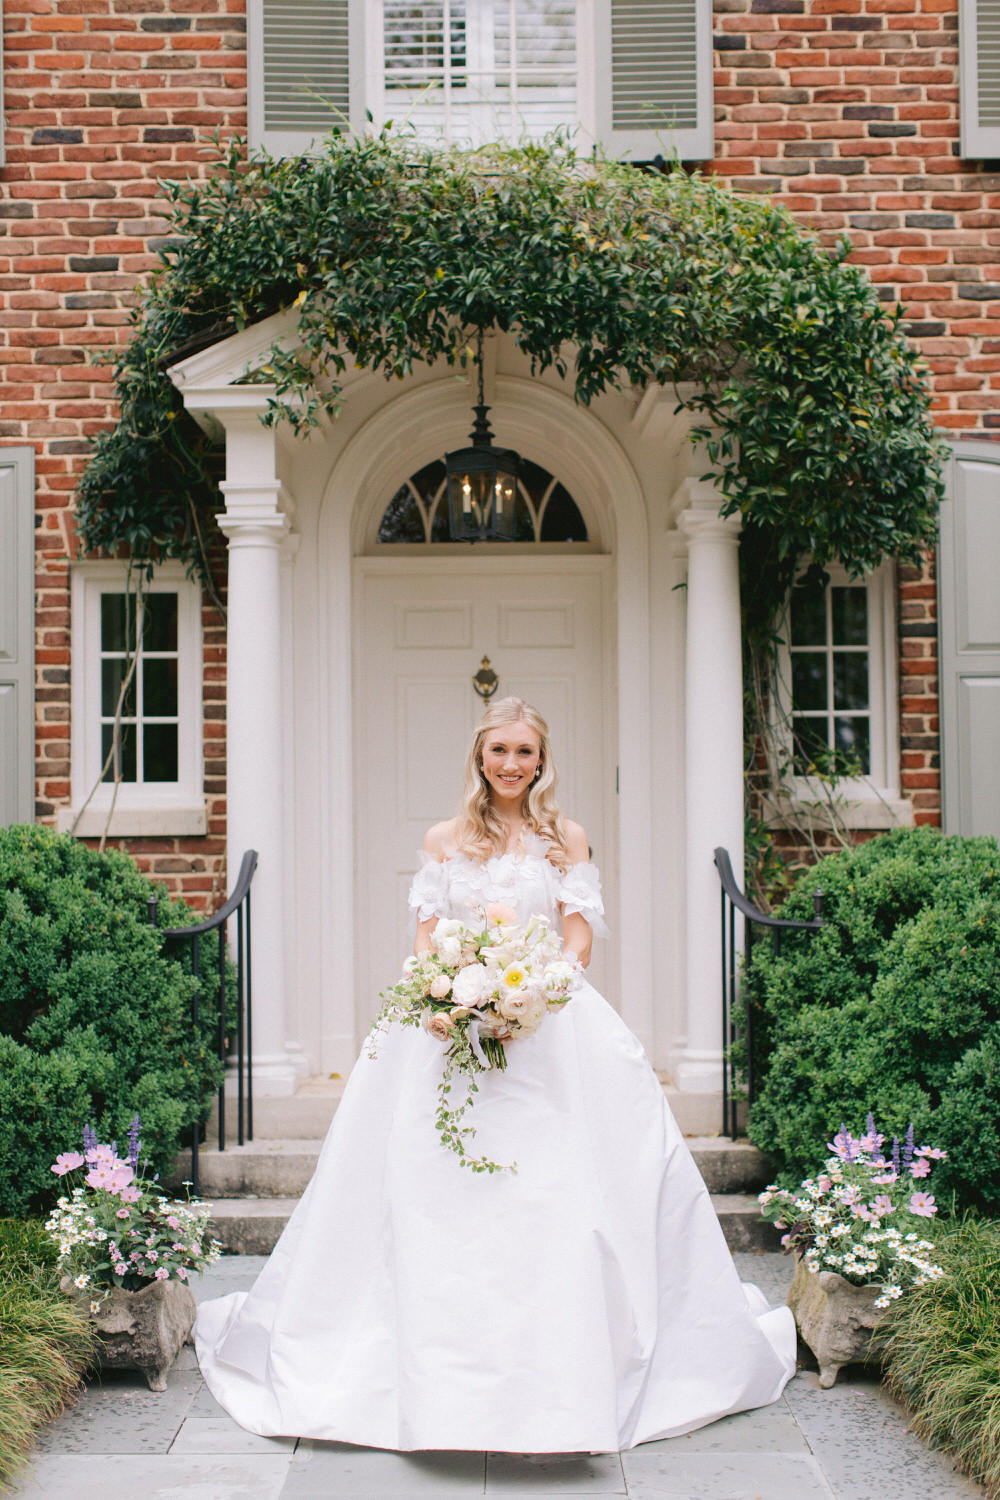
(104, 1175)
(923, 1205)
(130, 1194)
(934, 1153)
(102, 1154)
(886, 1177)
(921, 1167)
(882, 1205)
(68, 1161)
(861, 1212)
(162, 1273)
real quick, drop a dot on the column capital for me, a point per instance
(704, 523)
(251, 528)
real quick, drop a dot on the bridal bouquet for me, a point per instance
(475, 990)
(862, 1215)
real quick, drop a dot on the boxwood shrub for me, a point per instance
(894, 1007)
(95, 1011)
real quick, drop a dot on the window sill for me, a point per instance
(860, 813)
(179, 819)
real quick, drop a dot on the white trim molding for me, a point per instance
(979, 78)
(156, 809)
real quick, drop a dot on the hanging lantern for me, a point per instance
(482, 481)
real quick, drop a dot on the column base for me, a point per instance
(273, 1073)
(698, 1072)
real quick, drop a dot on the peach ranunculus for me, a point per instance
(438, 1025)
(440, 986)
(496, 911)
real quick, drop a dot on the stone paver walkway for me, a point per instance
(122, 1442)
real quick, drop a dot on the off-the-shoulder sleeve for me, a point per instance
(580, 890)
(428, 891)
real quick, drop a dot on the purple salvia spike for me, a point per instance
(895, 1154)
(908, 1149)
(134, 1142)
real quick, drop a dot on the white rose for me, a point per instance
(440, 985)
(470, 985)
(450, 951)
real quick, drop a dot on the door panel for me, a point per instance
(424, 627)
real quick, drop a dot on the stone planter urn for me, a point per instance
(143, 1330)
(838, 1321)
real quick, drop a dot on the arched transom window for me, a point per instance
(546, 511)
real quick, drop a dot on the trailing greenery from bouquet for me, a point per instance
(95, 1010)
(895, 1002)
(476, 990)
(942, 1354)
(863, 1216)
(392, 254)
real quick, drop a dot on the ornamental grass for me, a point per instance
(45, 1345)
(943, 1354)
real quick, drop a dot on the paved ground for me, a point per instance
(122, 1442)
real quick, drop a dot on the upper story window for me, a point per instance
(418, 511)
(633, 76)
(136, 712)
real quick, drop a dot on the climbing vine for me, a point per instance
(811, 405)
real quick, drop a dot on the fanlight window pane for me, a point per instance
(418, 511)
(470, 71)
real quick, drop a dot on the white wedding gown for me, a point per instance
(586, 1303)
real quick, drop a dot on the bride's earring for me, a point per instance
(538, 772)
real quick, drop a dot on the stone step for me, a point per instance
(282, 1168)
(306, 1114)
(251, 1226)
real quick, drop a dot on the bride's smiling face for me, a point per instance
(511, 755)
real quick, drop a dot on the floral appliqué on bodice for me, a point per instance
(460, 887)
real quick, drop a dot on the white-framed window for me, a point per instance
(836, 694)
(979, 57)
(633, 76)
(149, 721)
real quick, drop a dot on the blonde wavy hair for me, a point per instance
(480, 834)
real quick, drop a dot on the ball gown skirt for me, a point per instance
(587, 1302)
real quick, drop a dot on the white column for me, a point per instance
(713, 717)
(256, 527)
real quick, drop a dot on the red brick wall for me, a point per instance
(103, 98)
(847, 110)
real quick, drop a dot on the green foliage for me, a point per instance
(393, 254)
(894, 1007)
(95, 1012)
(943, 1353)
(45, 1345)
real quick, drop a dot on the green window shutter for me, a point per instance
(979, 51)
(300, 73)
(656, 96)
(17, 635)
(968, 569)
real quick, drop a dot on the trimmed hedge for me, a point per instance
(894, 1007)
(95, 1012)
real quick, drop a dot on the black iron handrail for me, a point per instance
(238, 904)
(733, 901)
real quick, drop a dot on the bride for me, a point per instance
(586, 1302)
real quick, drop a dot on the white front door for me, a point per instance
(422, 628)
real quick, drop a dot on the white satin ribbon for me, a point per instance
(476, 1045)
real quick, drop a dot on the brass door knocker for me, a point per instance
(486, 681)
